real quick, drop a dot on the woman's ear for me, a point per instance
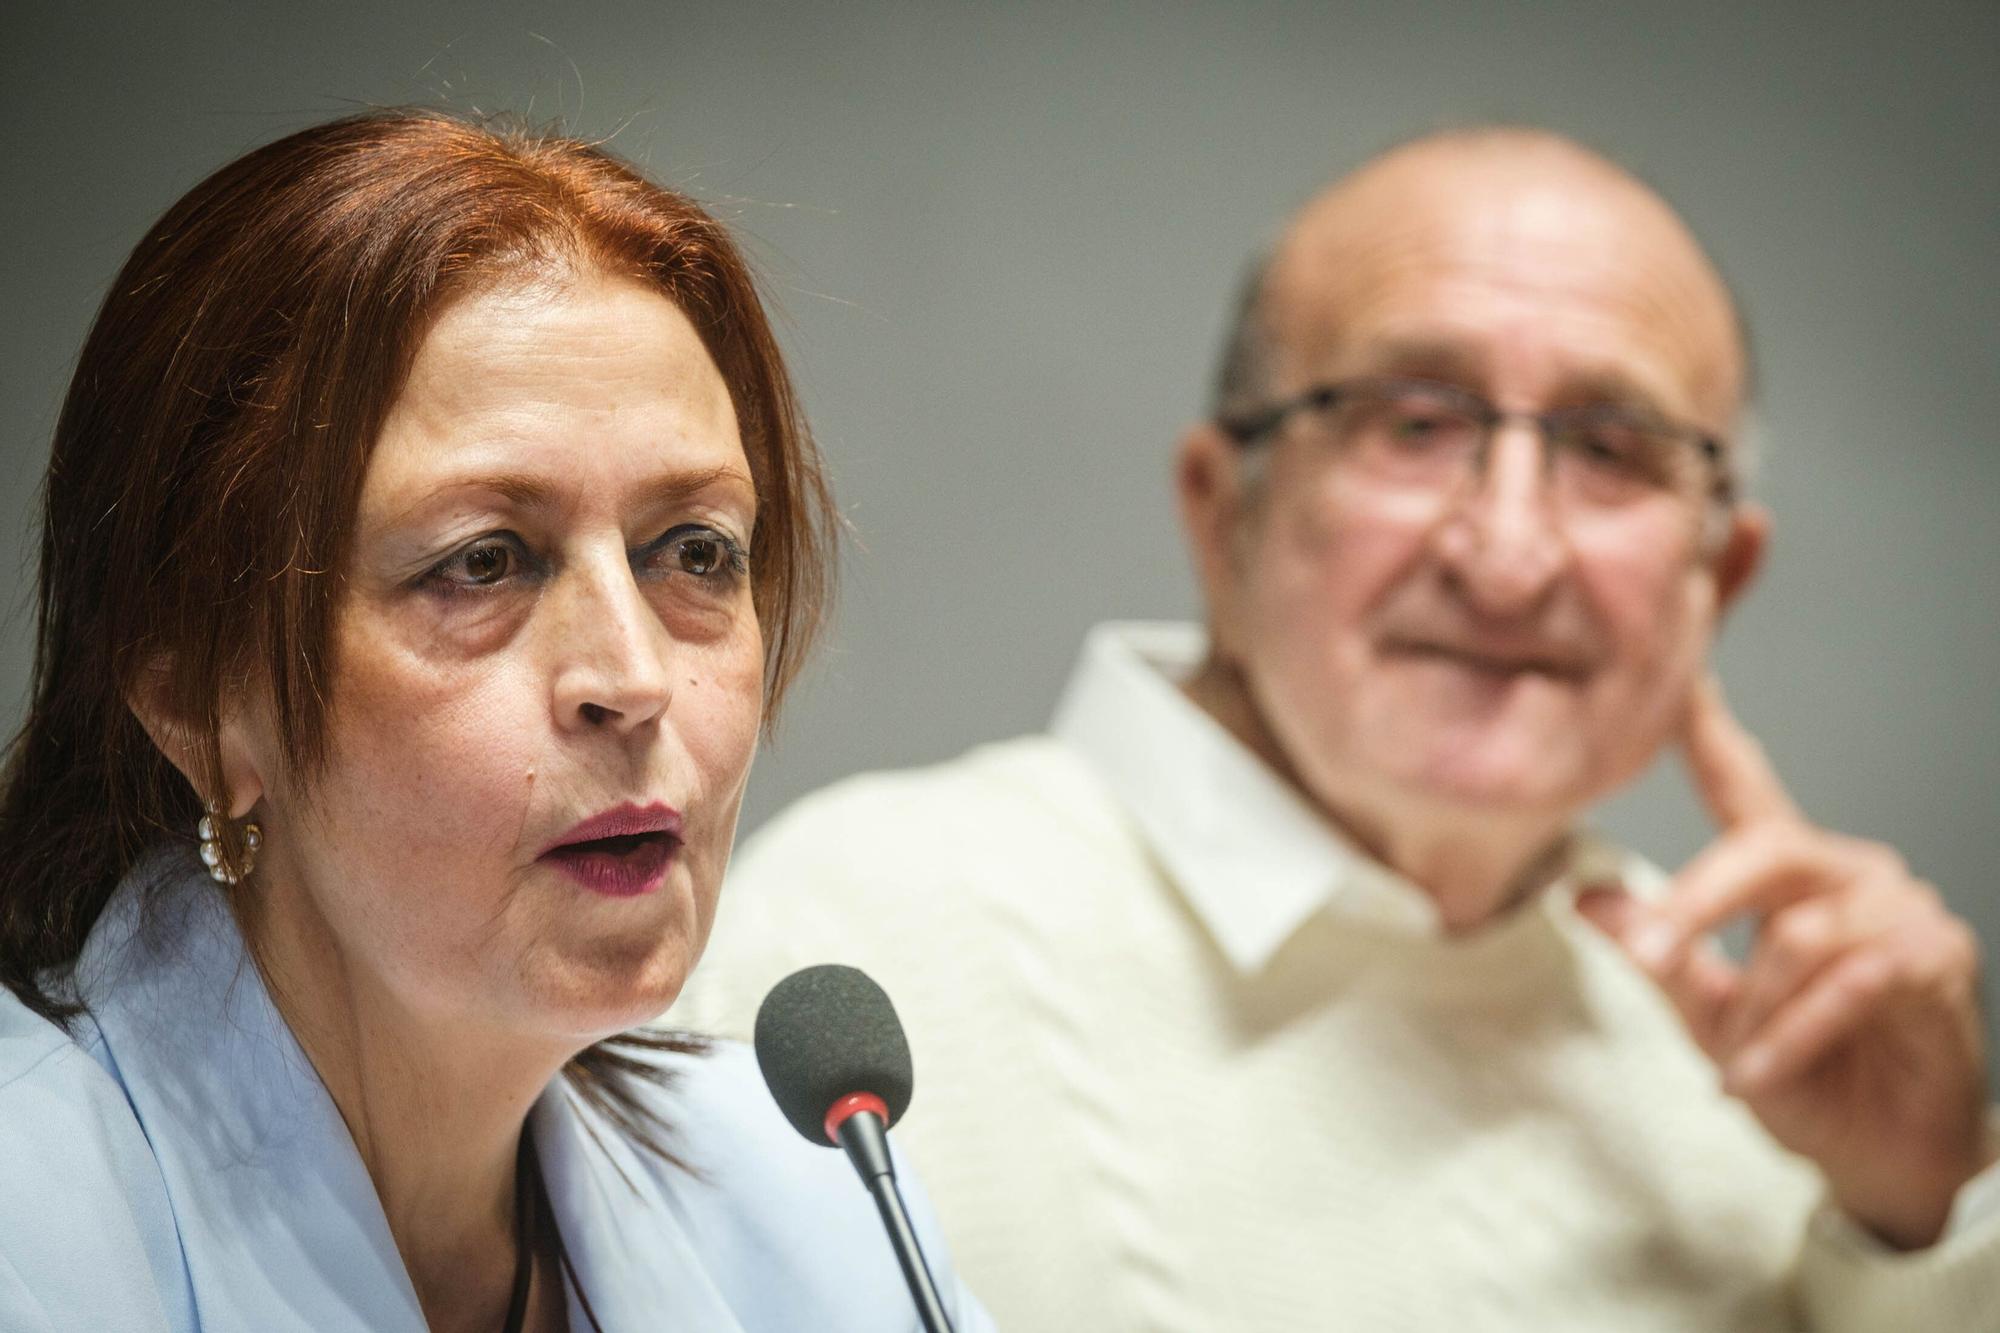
(182, 740)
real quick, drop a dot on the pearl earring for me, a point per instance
(218, 865)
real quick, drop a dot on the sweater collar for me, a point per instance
(1253, 858)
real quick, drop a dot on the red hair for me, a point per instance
(208, 462)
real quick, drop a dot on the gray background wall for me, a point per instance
(1002, 239)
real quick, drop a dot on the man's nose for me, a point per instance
(1501, 538)
(610, 651)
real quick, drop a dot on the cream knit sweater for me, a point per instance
(1380, 1130)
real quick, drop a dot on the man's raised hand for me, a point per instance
(1853, 1031)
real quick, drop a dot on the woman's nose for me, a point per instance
(610, 652)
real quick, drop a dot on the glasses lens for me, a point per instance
(1409, 434)
(1613, 457)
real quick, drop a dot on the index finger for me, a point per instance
(1729, 767)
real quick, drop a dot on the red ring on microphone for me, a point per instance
(849, 1106)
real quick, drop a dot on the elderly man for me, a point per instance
(1278, 989)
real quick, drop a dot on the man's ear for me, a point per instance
(184, 743)
(1742, 554)
(1208, 486)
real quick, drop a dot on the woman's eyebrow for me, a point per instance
(532, 492)
(680, 486)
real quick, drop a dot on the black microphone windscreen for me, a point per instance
(825, 1032)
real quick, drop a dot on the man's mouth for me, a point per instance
(1503, 661)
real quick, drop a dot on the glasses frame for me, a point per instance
(1249, 429)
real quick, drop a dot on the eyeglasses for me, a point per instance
(1428, 436)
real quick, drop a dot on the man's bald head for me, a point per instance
(1498, 206)
(1422, 607)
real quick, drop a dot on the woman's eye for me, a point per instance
(703, 553)
(487, 562)
(698, 555)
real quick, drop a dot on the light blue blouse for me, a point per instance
(177, 1165)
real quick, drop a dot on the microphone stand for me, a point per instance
(866, 1140)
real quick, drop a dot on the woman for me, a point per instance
(429, 532)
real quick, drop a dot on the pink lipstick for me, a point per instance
(621, 853)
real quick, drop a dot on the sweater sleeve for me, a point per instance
(1851, 1283)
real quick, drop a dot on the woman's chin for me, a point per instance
(588, 1000)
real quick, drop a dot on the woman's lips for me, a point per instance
(622, 867)
(621, 852)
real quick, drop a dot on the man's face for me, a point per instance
(1491, 649)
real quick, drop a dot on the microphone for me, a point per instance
(838, 1065)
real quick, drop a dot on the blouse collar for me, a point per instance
(278, 1218)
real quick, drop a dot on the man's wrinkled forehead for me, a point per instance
(1467, 244)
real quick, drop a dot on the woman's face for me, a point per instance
(547, 678)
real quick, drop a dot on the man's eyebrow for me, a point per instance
(1437, 358)
(1607, 385)
(532, 492)
(1430, 356)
